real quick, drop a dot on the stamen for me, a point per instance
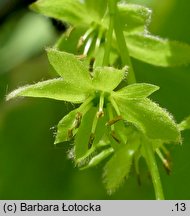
(100, 112)
(86, 105)
(87, 46)
(166, 152)
(112, 133)
(165, 162)
(82, 110)
(91, 140)
(94, 124)
(92, 60)
(84, 37)
(98, 40)
(81, 57)
(136, 163)
(98, 115)
(113, 121)
(77, 120)
(70, 133)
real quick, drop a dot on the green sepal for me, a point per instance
(136, 91)
(71, 11)
(107, 78)
(56, 89)
(149, 118)
(158, 51)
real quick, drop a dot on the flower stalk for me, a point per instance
(151, 162)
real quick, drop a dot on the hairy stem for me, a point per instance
(151, 161)
(112, 7)
(124, 53)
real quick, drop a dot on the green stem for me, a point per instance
(151, 161)
(112, 7)
(124, 52)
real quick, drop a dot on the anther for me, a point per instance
(91, 140)
(77, 121)
(70, 133)
(100, 113)
(92, 60)
(113, 121)
(167, 166)
(113, 134)
(165, 162)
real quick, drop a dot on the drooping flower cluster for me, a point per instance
(110, 120)
(89, 22)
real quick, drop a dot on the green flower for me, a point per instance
(90, 21)
(109, 119)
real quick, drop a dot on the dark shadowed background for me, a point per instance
(31, 166)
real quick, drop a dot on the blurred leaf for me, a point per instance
(185, 124)
(158, 51)
(31, 33)
(147, 116)
(71, 11)
(97, 6)
(107, 78)
(136, 91)
(54, 89)
(70, 68)
(134, 18)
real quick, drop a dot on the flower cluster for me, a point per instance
(111, 120)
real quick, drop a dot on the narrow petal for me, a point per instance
(134, 18)
(158, 51)
(70, 68)
(56, 89)
(71, 11)
(151, 119)
(136, 91)
(107, 78)
(185, 124)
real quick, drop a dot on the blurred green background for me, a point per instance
(31, 167)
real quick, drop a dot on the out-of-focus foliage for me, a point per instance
(133, 19)
(27, 37)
